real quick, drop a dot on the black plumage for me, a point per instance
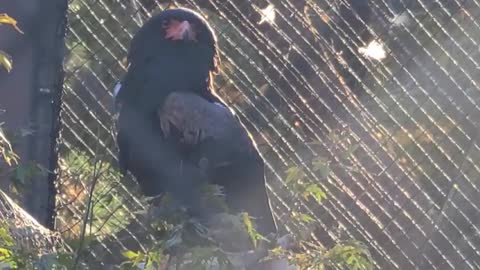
(175, 52)
(175, 65)
(215, 140)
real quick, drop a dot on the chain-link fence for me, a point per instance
(376, 102)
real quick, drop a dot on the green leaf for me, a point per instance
(316, 192)
(350, 150)
(6, 239)
(303, 217)
(278, 251)
(5, 19)
(352, 254)
(334, 137)
(247, 221)
(6, 61)
(6, 150)
(294, 173)
(10, 157)
(131, 255)
(321, 166)
(5, 254)
(155, 258)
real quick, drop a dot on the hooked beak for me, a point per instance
(180, 31)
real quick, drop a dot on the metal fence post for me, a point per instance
(45, 107)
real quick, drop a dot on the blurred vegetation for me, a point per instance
(108, 214)
(10, 167)
(5, 59)
(6, 150)
(186, 242)
(349, 254)
(14, 255)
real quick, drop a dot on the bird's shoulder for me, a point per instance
(187, 110)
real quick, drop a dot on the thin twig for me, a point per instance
(95, 177)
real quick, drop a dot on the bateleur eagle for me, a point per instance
(173, 133)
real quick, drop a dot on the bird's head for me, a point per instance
(179, 37)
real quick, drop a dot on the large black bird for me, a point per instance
(161, 140)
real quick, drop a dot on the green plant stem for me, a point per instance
(95, 177)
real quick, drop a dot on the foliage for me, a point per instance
(320, 166)
(351, 255)
(177, 234)
(109, 215)
(5, 59)
(250, 228)
(196, 246)
(193, 244)
(20, 173)
(13, 256)
(6, 150)
(5, 19)
(7, 254)
(149, 259)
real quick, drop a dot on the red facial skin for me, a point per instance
(176, 30)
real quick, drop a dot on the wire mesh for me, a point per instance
(385, 91)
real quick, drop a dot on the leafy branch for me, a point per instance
(225, 241)
(322, 167)
(5, 59)
(6, 150)
(350, 254)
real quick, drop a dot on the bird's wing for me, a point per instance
(156, 163)
(196, 118)
(245, 185)
(243, 177)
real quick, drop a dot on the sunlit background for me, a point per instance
(373, 104)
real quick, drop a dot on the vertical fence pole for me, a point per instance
(45, 108)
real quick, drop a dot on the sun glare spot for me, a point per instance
(268, 14)
(374, 50)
